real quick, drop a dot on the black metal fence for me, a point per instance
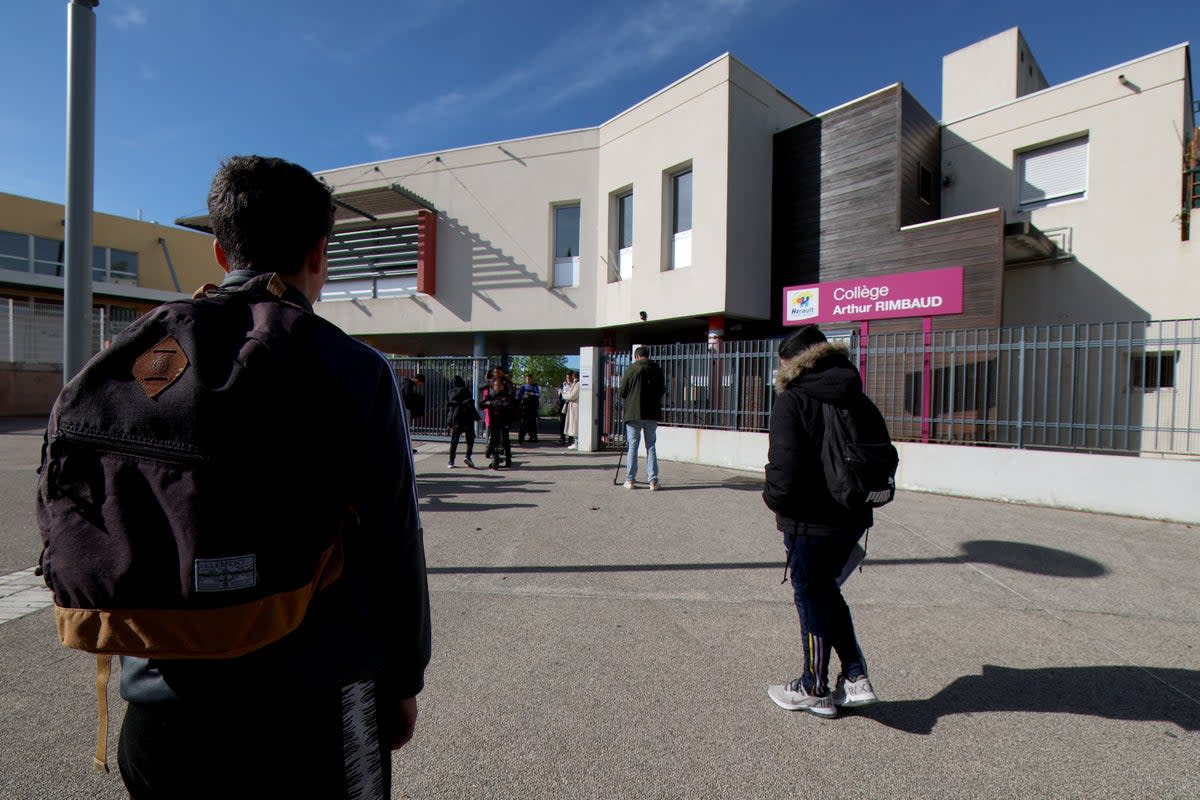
(1129, 387)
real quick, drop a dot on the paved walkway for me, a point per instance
(594, 642)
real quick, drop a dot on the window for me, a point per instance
(681, 219)
(1153, 370)
(925, 184)
(566, 246)
(114, 266)
(14, 251)
(47, 256)
(625, 235)
(1054, 172)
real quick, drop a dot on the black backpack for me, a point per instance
(858, 456)
(182, 503)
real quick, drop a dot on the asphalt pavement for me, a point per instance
(595, 642)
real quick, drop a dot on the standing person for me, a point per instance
(562, 408)
(413, 398)
(411, 392)
(461, 417)
(642, 388)
(529, 398)
(317, 712)
(499, 403)
(572, 403)
(819, 534)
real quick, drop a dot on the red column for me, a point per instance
(427, 252)
(926, 379)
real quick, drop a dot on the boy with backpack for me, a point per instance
(830, 461)
(227, 501)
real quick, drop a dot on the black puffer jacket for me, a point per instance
(795, 480)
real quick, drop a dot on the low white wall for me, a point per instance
(1149, 487)
(733, 449)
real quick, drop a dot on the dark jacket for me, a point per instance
(413, 400)
(374, 620)
(642, 389)
(460, 409)
(795, 488)
(502, 408)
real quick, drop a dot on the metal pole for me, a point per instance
(81, 131)
(1021, 390)
(12, 333)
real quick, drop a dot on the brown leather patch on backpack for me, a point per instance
(160, 366)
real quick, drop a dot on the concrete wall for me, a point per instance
(685, 122)
(495, 237)
(757, 111)
(28, 389)
(1136, 487)
(1128, 261)
(1152, 488)
(988, 73)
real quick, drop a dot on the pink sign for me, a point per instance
(907, 294)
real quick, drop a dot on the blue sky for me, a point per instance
(182, 84)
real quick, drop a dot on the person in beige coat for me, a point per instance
(571, 395)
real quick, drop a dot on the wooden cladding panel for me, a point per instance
(845, 183)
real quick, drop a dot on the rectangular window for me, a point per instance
(625, 235)
(122, 266)
(925, 184)
(566, 246)
(681, 220)
(1153, 370)
(1055, 172)
(14, 251)
(47, 256)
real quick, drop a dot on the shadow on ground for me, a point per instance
(1126, 693)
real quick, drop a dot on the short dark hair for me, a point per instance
(800, 340)
(641, 352)
(268, 213)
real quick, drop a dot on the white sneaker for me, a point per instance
(857, 692)
(791, 696)
(655, 486)
(630, 485)
(572, 447)
(450, 465)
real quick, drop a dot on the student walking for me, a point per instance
(461, 417)
(820, 535)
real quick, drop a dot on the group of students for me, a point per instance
(500, 405)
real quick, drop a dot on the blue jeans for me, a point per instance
(815, 563)
(633, 435)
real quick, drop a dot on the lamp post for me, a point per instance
(81, 145)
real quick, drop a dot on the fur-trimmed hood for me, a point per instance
(790, 368)
(822, 371)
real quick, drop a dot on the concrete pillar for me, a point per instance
(590, 407)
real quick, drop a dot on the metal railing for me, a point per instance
(439, 371)
(31, 330)
(1128, 387)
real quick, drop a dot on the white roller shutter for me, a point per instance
(1054, 172)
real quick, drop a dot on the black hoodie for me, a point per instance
(795, 480)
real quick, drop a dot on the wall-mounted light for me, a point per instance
(642, 314)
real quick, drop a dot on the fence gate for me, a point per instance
(439, 371)
(612, 429)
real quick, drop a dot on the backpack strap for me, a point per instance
(103, 673)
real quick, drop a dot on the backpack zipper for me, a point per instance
(123, 447)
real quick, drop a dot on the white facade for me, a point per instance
(496, 202)
(1125, 259)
